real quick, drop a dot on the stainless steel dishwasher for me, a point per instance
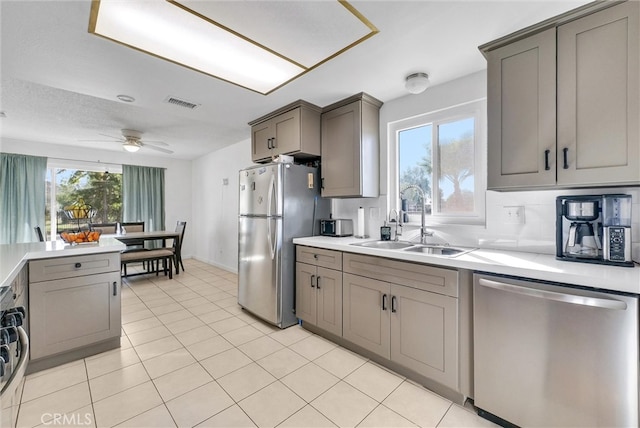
(548, 355)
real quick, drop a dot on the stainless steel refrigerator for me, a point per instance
(278, 202)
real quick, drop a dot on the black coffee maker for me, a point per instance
(584, 232)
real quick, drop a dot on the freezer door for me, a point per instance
(261, 191)
(259, 267)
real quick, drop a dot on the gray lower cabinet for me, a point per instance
(414, 328)
(412, 315)
(74, 302)
(319, 288)
(319, 297)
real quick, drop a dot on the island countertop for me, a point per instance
(14, 256)
(544, 267)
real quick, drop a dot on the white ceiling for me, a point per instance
(59, 83)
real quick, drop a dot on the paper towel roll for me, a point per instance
(361, 227)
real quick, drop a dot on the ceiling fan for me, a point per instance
(131, 141)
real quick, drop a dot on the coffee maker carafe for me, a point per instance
(594, 229)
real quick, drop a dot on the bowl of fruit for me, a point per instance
(82, 237)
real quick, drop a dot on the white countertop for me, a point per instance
(527, 265)
(14, 256)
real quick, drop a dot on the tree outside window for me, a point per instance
(101, 190)
(441, 154)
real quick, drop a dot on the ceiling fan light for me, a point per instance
(131, 147)
(417, 82)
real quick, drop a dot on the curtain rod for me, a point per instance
(98, 162)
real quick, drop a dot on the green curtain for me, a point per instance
(22, 197)
(143, 196)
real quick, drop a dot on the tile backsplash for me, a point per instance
(536, 234)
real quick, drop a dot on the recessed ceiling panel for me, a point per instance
(306, 32)
(257, 45)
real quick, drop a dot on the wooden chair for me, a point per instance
(41, 237)
(177, 246)
(106, 228)
(134, 226)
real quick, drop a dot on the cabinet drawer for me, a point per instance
(319, 257)
(422, 277)
(69, 267)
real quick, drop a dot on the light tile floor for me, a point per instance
(191, 356)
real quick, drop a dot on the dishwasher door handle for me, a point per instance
(596, 302)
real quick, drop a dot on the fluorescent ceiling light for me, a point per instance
(220, 38)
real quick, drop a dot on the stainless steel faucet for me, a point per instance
(423, 229)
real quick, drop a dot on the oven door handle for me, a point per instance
(20, 367)
(596, 302)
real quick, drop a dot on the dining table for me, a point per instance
(151, 235)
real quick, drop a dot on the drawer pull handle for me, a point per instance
(78, 265)
(393, 304)
(115, 288)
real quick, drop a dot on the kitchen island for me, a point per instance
(73, 297)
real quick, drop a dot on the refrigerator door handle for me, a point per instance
(559, 297)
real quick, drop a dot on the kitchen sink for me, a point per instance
(384, 245)
(438, 250)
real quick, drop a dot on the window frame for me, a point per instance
(54, 164)
(476, 109)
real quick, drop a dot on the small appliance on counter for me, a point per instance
(336, 227)
(594, 229)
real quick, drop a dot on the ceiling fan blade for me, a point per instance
(157, 143)
(111, 136)
(97, 141)
(160, 149)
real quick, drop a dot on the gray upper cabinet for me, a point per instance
(521, 112)
(563, 101)
(350, 148)
(598, 96)
(292, 130)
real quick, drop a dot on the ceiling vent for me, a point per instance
(181, 103)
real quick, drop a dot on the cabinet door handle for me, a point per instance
(78, 265)
(384, 302)
(393, 304)
(318, 282)
(312, 284)
(565, 157)
(273, 143)
(322, 183)
(269, 143)
(546, 160)
(115, 288)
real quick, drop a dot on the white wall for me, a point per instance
(178, 194)
(537, 234)
(215, 204)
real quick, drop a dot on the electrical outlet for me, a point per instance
(513, 214)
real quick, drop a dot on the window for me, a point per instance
(442, 153)
(98, 185)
